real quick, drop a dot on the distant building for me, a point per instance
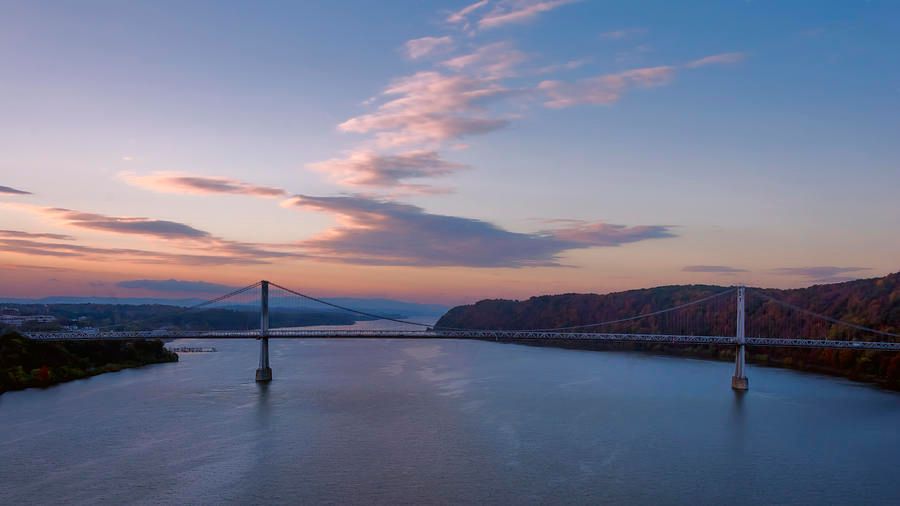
(19, 320)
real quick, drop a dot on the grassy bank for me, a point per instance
(25, 363)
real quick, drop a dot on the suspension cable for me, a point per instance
(351, 310)
(190, 308)
(638, 317)
(823, 317)
(381, 317)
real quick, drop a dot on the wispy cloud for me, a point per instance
(609, 88)
(174, 286)
(370, 169)
(6, 190)
(379, 232)
(625, 33)
(162, 229)
(716, 59)
(491, 61)
(605, 89)
(30, 235)
(823, 274)
(430, 107)
(41, 246)
(177, 182)
(518, 11)
(427, 46)
(461, 15)
(216, 250)
(564, 66)
(713, 269)
(600, 234)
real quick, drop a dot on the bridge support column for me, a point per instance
(739, 380)
(264, 371)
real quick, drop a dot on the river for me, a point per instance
(416, 422)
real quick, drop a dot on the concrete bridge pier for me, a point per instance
(739, 380)
(264, 371)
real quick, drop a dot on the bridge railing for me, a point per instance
(505, 335)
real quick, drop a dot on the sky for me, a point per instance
(446, 151)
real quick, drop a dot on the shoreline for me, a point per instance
(28, 364)
(758, 357)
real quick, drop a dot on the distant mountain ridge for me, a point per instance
(373, 305)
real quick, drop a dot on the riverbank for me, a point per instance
(26, 364)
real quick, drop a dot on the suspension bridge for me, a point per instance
(702, 321)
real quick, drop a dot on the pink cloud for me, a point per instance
(369, 169)
(518, 11)
(608, 234)
(46, 245)
(605, 89)
(716, 59)
(431, 107)
(175, 182)
(460, 15)
(176, 235)
(427, 46)
(492, 61)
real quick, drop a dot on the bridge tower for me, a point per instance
(739, 381)
(264, 372)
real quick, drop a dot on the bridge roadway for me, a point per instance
(498, 335)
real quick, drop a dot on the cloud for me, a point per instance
(6, 190)
(604, 89)
(216, 250)
(460, 15)
(49, 248)
(607, 234)
(716, 59)
(369, 169)
(714, 269)
(44, 245)
(40, 268)
(427, 46)
(174, 182)
(29, 235)
(174, 285)
(518, 11)
(609, 88)
(431, 107)
(822, 274)
(561, 67)
(163, 229)
(379, 232)
(626, 33)
(491, 61)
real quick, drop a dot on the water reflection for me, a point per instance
(405, 422)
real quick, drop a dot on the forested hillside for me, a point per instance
(872, 303)
(25, 363)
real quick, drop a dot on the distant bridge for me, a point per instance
(264, 372)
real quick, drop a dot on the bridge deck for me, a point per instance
(499, 335)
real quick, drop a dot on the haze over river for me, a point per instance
(397, 421)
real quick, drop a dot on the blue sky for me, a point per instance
(439, 153)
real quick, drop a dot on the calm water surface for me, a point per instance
(404, 422)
